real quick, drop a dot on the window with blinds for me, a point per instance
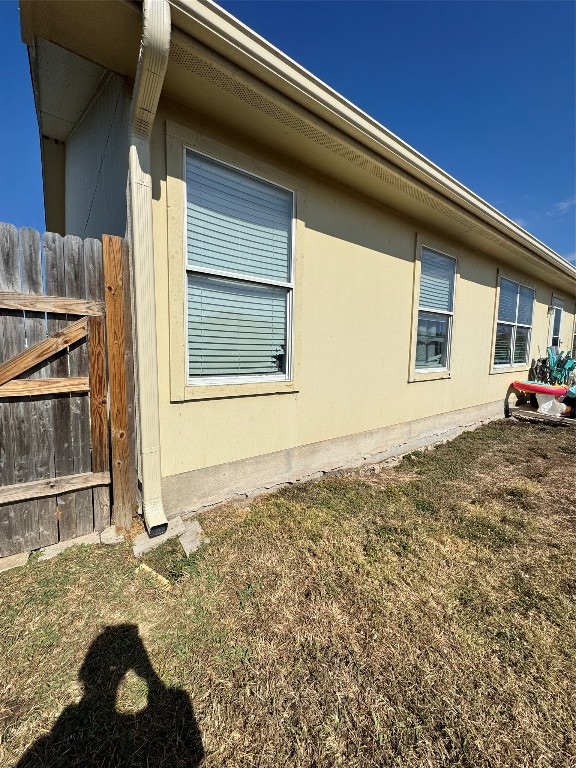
(435, 310)
(556, 324)
(239, 272)
(514, 326)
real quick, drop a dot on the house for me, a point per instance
(309, 292)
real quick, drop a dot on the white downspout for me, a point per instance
(152, 63)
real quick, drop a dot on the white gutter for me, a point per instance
(152, 62)
(212, 25)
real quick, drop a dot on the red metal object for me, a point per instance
(557, 390)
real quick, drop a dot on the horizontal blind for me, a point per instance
(236, 222)
(525, 305)
(436, 281)
(521, 345)
(502, 349)
(508, 301)
(234, 327)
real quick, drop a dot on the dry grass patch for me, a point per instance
(422, 615)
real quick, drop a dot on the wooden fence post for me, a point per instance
(124, 481)
(99, 417)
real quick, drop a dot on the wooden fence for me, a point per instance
(65, 397)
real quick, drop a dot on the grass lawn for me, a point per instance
(415, 615)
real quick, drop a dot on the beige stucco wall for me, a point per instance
(354, 317)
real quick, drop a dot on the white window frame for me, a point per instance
(559, 306)
(199, 381)
(449, 315)
(514, 326)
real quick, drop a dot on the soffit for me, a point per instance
(206, 81)
(65, 83)
(106, 32)
(72, 44)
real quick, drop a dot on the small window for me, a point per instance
(239, 272)
(514, 325)
(555, 323)
(435, 311)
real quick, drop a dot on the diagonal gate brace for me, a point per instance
(43, 350)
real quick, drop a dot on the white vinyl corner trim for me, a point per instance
(152, 63)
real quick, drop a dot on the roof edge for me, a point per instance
(215, 27)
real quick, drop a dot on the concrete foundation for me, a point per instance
(191, 491)
(13, 561)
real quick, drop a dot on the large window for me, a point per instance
(514, 324)
(239, 271)
(435, 310)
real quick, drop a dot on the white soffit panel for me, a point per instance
(66, 83)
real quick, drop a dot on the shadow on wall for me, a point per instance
(93, 733)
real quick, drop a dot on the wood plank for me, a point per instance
(37, 387)
(55, 282)
(9, 281)
(130, 378)
(43, 350)
(35, 333)
(121, 480)
(6, 544)
(41, 443)
(94, 271)
(99, 416)
(52, 486)
(80, 407)
(98, 395)
(25, 515)
(56, 304)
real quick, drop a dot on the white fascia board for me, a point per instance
(207, 22)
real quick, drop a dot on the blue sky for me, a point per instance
(485, 89)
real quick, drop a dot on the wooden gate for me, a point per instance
(62, 330)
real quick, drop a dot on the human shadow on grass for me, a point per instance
(93, 733)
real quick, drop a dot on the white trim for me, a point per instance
(244, 278)
(436, 311)
(215, 381)
(238, 276)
